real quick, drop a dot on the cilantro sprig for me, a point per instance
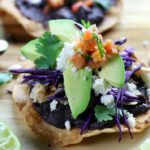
(102, 113)
(86, 24)
(5, 77)
(49, 46)
(99, 44)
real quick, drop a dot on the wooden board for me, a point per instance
(135, 25)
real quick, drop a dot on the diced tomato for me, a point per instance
(78, 61)
(89, 42)
(96, 56)
(93, 64)
(87, 36)
(88, 3)
(109, 46)
(76, 6)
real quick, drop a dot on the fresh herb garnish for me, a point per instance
(5, 77)
(99, 44)
(86, 24)
(103, 3)
(102, 113)
(49, 47)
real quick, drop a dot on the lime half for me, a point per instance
(145, 145)
(8, 140)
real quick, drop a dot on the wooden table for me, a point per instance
(135, 25)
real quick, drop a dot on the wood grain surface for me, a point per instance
(135, 25)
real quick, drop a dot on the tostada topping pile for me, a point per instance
(82, 81)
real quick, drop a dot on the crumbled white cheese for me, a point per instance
(132, 122)
(22, 58)
(131, 119)
(148, 94)
(93, 29)
(74, 69)
(16, 66)
(107, 100)
(100, 86)
(124, 22)
(84, 30)
(88, 69)
(64, 102)
(132, 88)
(84, 78)
(145, 43)
(3, 45)
(38, 93)
(53, 105)
(67, 125)
(63, 58)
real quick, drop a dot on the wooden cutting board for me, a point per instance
(135, 25)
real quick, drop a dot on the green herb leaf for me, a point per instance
(86, 24)
(5, 77)
(103, 3)
(102, 113)
(49, 46)
(99, 44)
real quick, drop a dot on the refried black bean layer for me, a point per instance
(62, 113)
(35, 11)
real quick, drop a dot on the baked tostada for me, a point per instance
(34, 15)
(81, 85)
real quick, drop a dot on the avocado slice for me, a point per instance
(65, 29)
(29, 50)
(114, 72)
(78, 90)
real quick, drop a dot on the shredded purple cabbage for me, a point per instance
(9, 91)
(59, 95)
(86, 123)
(125, 54)
(121, 42)
(78, 26)
(120, 99)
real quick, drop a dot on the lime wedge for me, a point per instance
(145, 145)
(8, 140)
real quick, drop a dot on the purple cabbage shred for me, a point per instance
(87, 121)
(78, 26)
(120, 98)
(121, 42)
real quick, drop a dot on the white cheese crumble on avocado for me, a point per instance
(53, 105)
(100, 86)
(67, 125)
(107, 100)
(63, 58)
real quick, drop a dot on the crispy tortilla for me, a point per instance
(36, 29)
(61, 137)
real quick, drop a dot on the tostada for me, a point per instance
(34, 15)
(81, 85)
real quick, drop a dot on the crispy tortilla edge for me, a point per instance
(61, 137)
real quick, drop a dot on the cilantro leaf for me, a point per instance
(86, 24)
(99, 44)
(102, 113)
(104, 3)
(49, 46)
(5, 77)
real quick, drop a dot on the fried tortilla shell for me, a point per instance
(36, 29)
(61, 137)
